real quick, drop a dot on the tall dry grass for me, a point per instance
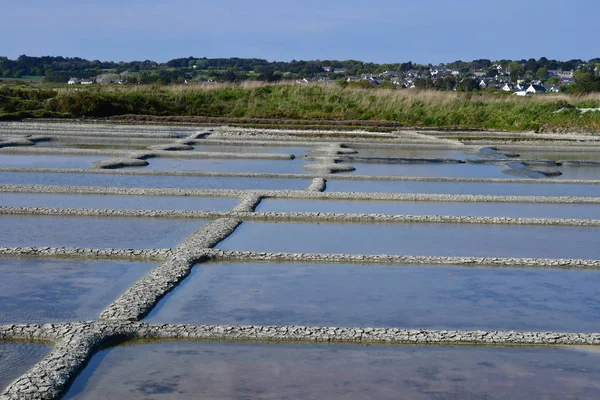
(400, 96)
(285, 101)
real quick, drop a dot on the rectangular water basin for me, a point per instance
(579, 172)
(432, 170)
(483, 188)
(117, 202)
(229, 165)
(39, 291)
(418, 239)
(183, 370)
(415, 297)
(387, 152)
(558, 155)
(522, 210)
(16, 358)
(208, 148)
(102, 144)
(137, 181)
(95, 232)
(48, 161)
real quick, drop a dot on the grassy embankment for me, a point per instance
(306, 106)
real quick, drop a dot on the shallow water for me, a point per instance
(117, 202)
(94, 143)
(100, 232)
(183, 182)
(35, 290)
(501, 189)
(409, 153)
(432, 170)
(297, 151)
(418, 239)
(17, 358)
(558, 155)
(523, 210)
(583, 173)
(419, 297)
(229, 165)
(184, 370)
(48, 161)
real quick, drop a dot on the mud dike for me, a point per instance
(328, 159)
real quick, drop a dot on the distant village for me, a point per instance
(523, 78)
(501, 79)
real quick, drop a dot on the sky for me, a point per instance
(432, 31)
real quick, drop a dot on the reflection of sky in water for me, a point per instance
(182, 370)
(584, 173)
(117, 202)
(182, 182)
(297, 151)
(501, 189)
(102, 232)
(384, 152)
(93, 143)
(17, 358)
(432, 170)
(557, 156)
(48, 161)
(229, 165)
(418, 239)
(403, 297)
(44, 291)
(523, 210)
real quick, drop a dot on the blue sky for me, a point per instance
(379, 31)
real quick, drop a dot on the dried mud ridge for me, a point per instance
(75, 343)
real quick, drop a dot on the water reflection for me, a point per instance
(48, 291)
(432, 297)
(101, 232)
(181, 182)
(16, 358)
(183, 370)
(522, 210)
(418, 239)
(117, 202)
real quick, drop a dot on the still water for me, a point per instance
(418, 239)
(37, 290)
(185, 370)
(521, 210)
(400, 296)
(16, 359)
(100, 232)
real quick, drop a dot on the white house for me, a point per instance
(507, 87)
(521, 86)
(74, 81)
(535, 89)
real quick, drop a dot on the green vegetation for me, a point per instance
(270, 105)
(587, 81)
(194, 69)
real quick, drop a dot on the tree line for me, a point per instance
(60, 69)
